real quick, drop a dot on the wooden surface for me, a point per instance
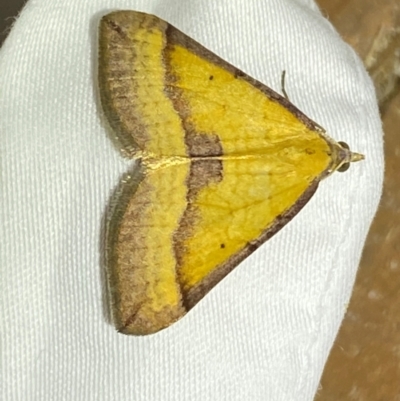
(364, 364)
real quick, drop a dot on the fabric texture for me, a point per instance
(265, 332)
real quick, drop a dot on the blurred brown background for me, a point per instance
(364, 364)
(9, 9)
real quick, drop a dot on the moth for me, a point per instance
(223, 163)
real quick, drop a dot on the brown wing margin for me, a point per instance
(127, 187)
(116, 81)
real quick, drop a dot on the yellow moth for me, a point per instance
(224, 162)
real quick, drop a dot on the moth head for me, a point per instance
(342, 157)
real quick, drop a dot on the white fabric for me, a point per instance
(265, 332)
